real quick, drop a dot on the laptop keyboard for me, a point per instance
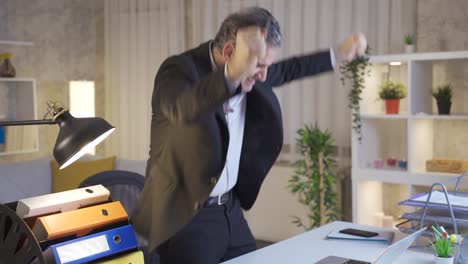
(356, 262)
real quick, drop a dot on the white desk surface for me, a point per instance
(311, 246)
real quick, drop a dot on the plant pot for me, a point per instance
(440, 260)
(7, 69)
(444, 108)
(392, 106)
(409, 48)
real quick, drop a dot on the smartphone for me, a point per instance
(358, 232)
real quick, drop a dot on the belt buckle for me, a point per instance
(219, 199)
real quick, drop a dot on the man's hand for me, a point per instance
(250, 46)
(353, 46)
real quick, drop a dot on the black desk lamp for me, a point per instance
(76, 135)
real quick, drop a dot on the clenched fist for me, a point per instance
(353, 46)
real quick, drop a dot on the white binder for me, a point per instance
(62, 201)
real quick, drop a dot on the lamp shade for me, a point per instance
(78, 135)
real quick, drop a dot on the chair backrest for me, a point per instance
(124, 186)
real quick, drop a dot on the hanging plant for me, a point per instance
(356, 71)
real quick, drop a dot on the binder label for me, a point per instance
(83, 248)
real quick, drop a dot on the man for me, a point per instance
(216, 131)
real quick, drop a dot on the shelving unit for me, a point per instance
(18, 102)
(16, 43)
(416, 134)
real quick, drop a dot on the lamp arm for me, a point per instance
(27, 122)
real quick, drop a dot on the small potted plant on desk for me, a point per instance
(442, 245)
(443, 96)
(392, 93)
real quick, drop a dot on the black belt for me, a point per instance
(218, 200)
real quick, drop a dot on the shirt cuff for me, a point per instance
(231, 85)
(332, 58)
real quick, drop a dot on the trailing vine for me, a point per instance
(356, 71)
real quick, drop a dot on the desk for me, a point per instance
(311, 246)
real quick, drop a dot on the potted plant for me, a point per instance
(314, 177)
(6, 68)
(409, 43)
(392, 93)
(443, 96)
(442, 245)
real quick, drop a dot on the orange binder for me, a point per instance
(79, 222)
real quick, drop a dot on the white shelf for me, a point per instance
(441, 117)
(412, 135)
(402, 177)
(384, 116)
(422, 56)
(415, 117)
(16, 79)
(16, 43)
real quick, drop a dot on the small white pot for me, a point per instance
(409, 48)
(439, 260)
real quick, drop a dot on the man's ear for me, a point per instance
(228, 50)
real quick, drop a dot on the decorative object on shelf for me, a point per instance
(443, 96)
(409, 43)
(391, 162)
(356, 71)
(402, 164)
(442, 245)
(314, 177)
(379, 163)
(445, 165)
(6, 68)
(392, 93)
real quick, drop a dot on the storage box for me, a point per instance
(444, 165)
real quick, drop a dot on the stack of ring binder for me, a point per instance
(76, 226)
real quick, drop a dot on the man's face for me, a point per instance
(262, 69)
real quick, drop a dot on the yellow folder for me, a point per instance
(79, 222)
(129, 258)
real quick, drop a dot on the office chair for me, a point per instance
(126, 187)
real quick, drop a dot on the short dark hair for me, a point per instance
(253, 16)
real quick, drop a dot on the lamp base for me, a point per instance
(17, 242)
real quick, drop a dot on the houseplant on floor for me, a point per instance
(443, 96)
(314, 177)
(391, 93)
(442, 245)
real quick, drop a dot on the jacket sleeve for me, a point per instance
(181, 96)
(298, 67)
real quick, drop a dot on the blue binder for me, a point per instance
(92, 247)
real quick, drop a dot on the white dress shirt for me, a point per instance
(234, 111)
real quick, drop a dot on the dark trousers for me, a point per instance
(217, 233)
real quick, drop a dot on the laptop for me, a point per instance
(387, 257)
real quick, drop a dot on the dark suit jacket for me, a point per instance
(189, 137)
